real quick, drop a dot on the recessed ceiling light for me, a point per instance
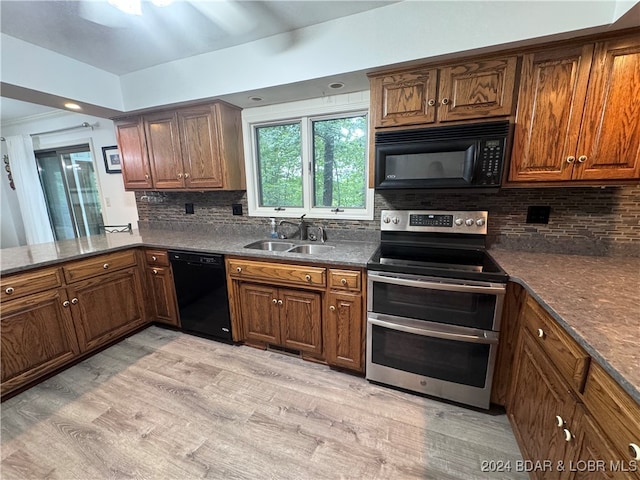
(255, 98)
(72, 106)
(336, 85)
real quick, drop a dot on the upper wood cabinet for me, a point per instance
(194, 148)
(578, 115)
(470, 90)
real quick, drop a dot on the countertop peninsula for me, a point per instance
(596, 299)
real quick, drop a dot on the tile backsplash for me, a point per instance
(583, 220)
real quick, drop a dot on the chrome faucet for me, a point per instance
(301, 228)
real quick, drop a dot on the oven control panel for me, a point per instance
(472, 222)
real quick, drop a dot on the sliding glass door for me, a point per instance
(68, 180)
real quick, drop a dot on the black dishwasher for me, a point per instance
(201, 288)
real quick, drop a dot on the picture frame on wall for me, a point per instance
(112, 159)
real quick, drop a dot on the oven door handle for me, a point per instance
(433, 333)
(451, 287)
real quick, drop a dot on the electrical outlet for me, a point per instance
(188, 208)
(538, 214)
(236, 208)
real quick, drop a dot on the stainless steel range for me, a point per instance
(434, 304)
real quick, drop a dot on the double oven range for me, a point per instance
(434, 305)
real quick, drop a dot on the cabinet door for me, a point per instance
(598, 459)
(300, 320)
(163, 143)
(477, 89)
(405, 98)
(200, 148)
(37, 336)
(609, 145)
(550, 105)
(539, 398)
(343, 330)
(160, 281)
(136, 172)
(107, 307)
(259, 312)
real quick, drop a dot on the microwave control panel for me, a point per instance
(491, 159)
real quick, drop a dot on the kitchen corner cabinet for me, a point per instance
(194, 148)
(578, 116)
(564, 407)
(50, 316)
(162, 293)
(432, 94)
(308, 309)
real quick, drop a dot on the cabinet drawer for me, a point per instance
(296, 275)
(568, 357)
(21, 284)
(614, 410)
(98, 265)
(344, 279)
(157, 257)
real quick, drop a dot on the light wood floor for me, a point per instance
(165, 405)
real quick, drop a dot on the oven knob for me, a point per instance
(480, 222)
(468, 222)
(459, 221)
(386, 219)
(396, 220)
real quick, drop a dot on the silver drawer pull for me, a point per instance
(9, 290)
(105, 266)
(634, 450)
(279, 302)
(559, 421)
(239, 269)
(332, 308)
(155, 272)
(66, 303)
(74, 300)
(154, 258)
(275, 300)
(307, 278)
(343, 281)
(568, 436)
(541, 333)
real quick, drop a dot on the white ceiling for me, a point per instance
(98, 34)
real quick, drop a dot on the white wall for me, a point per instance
(118, 206)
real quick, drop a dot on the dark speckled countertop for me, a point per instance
(596, 299)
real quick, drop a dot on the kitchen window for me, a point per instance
(308, 158)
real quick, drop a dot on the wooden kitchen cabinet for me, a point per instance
(343, 331)
(194, 148)
(162, 292)
(466, 91)
(136, 171)
(37, 337)
(281, 316)
(578, 116)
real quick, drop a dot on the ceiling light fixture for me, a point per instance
(131, 7)
(336, 85)
(256, 98)
(72, 106)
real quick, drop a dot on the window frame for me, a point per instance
(305, 112)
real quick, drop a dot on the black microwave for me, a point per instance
(451, 157)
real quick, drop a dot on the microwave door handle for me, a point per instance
(451, 287)
(432, 333)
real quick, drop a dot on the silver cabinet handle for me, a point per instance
(66, 303)
(332, 308)
(568, 436)
(275, 300)
(146, 176)
(343, 281)
(239, 269)
(9, 290)
(582, 158)
(186, 175)
(154, 258)
(307, 278)
(540, 333)
(559, 421)
(279, 302)
(74, 300)
(179, 175)
(105, 266)
(431, 102)
(445, 101)
(155, 272)
(571, 159)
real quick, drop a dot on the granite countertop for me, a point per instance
(345, 253)
(596, 300)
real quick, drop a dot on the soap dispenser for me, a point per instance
(274, 230)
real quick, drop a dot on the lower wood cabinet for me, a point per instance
(163, 304)
(106, 307)
(315, 310)
(37, 336)
(50, 316)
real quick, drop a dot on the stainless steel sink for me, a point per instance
(310, 249)
(271, 245)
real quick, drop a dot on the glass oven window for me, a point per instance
(474, 310)
(448, 360)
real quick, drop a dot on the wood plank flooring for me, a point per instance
(166, 405)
